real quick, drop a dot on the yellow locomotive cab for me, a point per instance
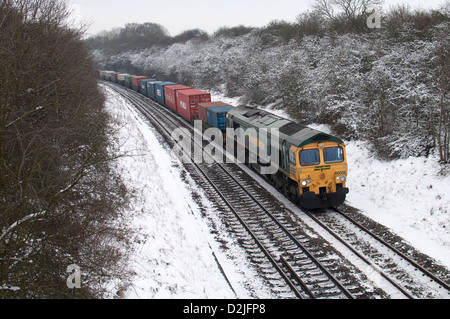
(321, 173)
(321, 166)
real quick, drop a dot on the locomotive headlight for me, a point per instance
(304, 183)
(342, 179)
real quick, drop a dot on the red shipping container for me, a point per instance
(136, 81)
(188, 101)
(202, 107)
(171, 95)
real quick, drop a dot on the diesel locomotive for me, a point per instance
(312, 167)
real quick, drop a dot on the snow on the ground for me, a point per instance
(410, 196)
(177, 257)
(173, 258)
(176, 254)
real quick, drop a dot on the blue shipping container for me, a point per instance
(159, 91)
(217, 116)
(144, 85)
(151, 89)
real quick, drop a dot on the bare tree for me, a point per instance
(350, 9)
(58, 195)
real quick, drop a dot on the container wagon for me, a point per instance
(136, 82)
(171, 95)
(129, 81)
(121, 78)
(160, 95)
(110, 75)
(188, 101)
(202, 109)
(107, 75)
(217, 116)
(115, 76)
(151, 89)
(143, 84)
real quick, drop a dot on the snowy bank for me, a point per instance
(182, 249)
(409, 196)
(172, 258)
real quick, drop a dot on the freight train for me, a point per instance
(312, 166)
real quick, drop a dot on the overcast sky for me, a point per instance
(209, 15)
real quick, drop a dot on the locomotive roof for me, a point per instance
(294, 133)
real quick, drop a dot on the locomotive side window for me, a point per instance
(292, 158)
(333, 155)
(309, 157)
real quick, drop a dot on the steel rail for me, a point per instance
(398, 252)
(353, 250)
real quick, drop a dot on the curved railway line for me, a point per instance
(294, 263)
(376, 252)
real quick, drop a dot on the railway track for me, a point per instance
(301, 265)
(393, 265)
(296, 269)
(294, 264)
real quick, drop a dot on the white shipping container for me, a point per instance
(121, 76)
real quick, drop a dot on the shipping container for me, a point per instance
(151, 89)
(111, 76)
(107, 75)
(121, 78)
(188, 101)
(217, 116)
(129, 81)
(144, 85)
(115, 75)
(171, 95)
(136, 82)
(202, 107)
(159, 91)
